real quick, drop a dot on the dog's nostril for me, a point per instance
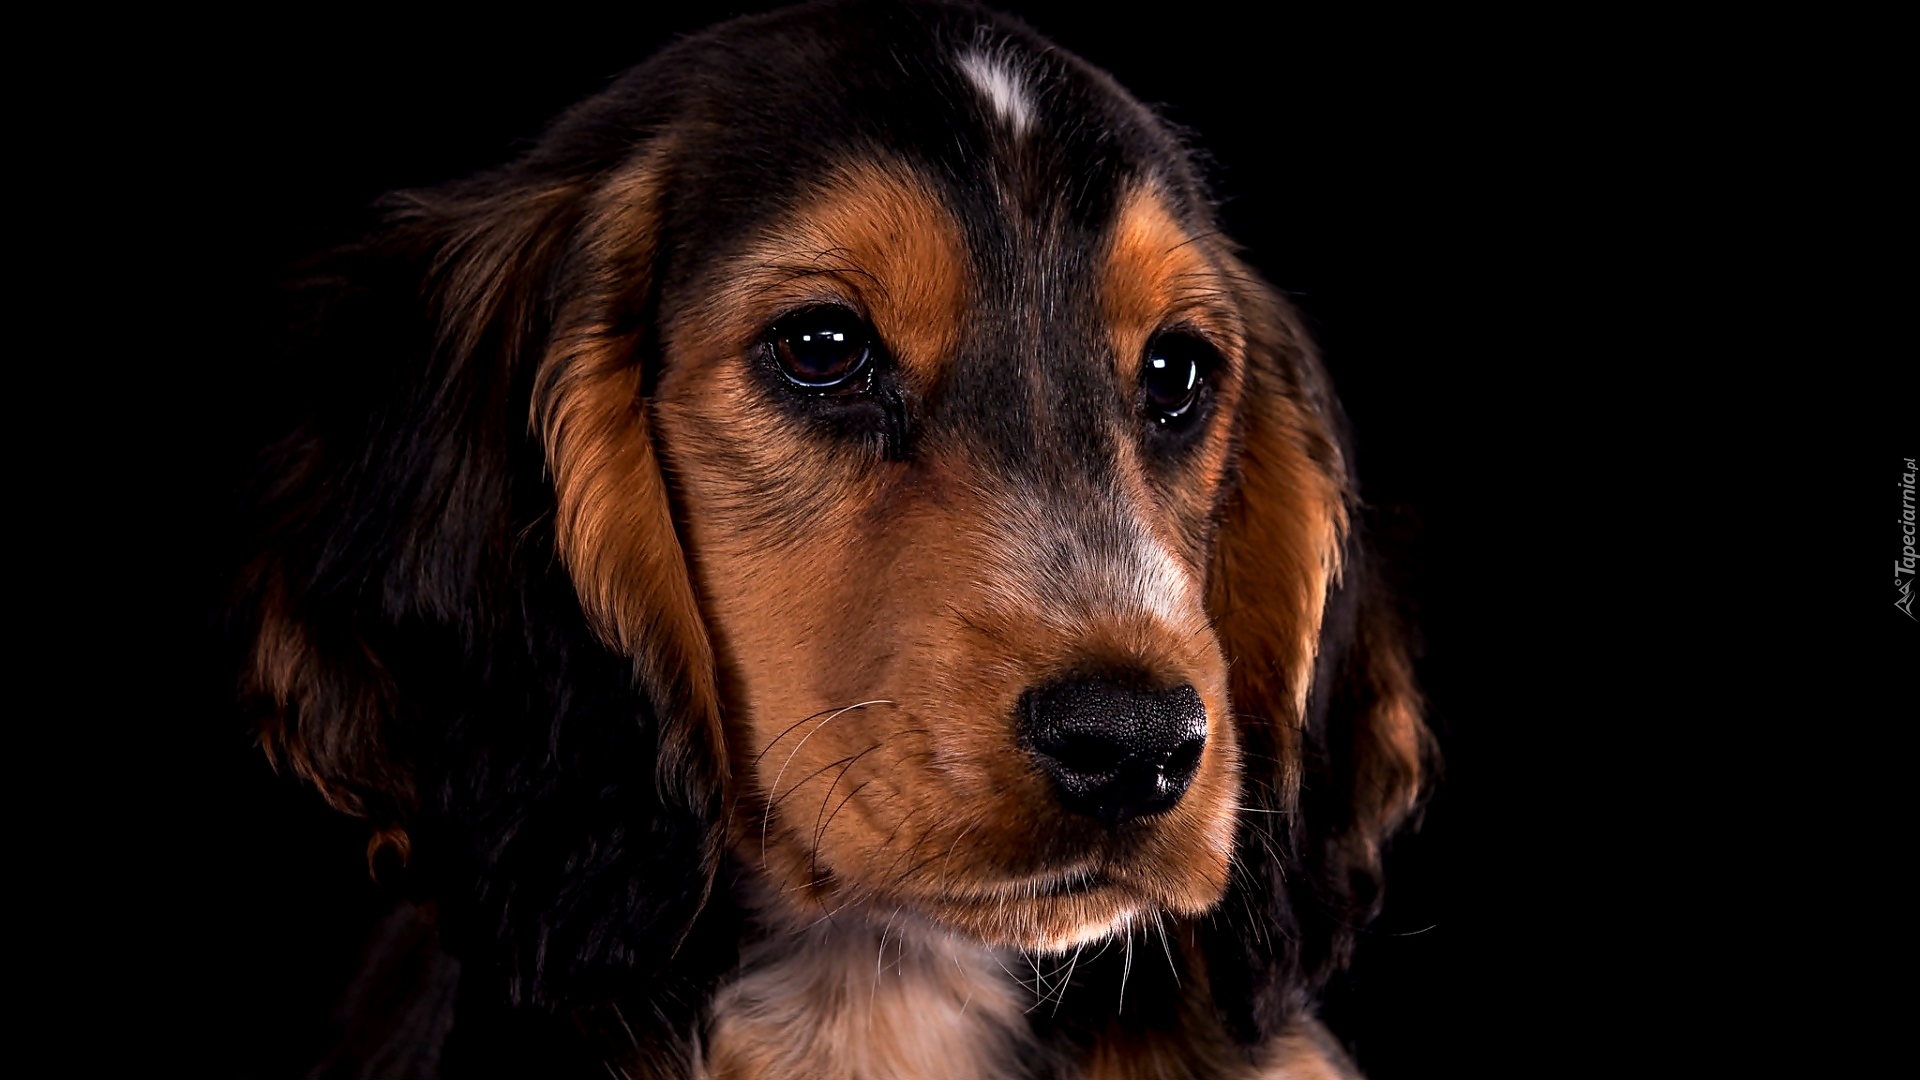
(1115, 753)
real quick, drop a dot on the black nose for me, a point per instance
(1115, 753)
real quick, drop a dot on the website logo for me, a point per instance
(1904, 565)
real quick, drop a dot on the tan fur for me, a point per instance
(332, 743)
(1158, 276)
(614, 522)
(857, 1001)
(1306, 1051)
(1278, 555)
(477, 274)
(389, 838)
(875, 238)
(1395, 743)
(1279, 550)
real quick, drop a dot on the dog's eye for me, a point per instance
(827, 350)
(1176, 369)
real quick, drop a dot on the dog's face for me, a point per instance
(967, 511)
(949, 398)
(936, 498)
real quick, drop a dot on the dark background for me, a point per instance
(1512, 240)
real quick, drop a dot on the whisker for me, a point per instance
(822, 819)
(822, 830)
(964, 973)
(1068, 980)
(1160, 924)
(947, 864)
(879, 964)
(766, 818)
(1039, 983)
(789, 730)
(802, 782)
(899, 825)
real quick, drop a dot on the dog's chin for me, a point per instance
(1046, 923)
(1099, 887)
(1044, 910)
(1056, 913)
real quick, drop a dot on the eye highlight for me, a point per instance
(822, 350)
(1174, 375)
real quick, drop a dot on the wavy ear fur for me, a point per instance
(1337, 754)
(471, 620)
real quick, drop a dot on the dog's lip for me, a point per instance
(1075, 881)
(1083, 881)
(1049, 913)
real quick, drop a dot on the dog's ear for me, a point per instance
(1336, 752)
(613, 520)
(472, 617)
(388, 504)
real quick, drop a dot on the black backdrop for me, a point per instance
(1491, 227)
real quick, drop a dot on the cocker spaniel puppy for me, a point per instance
(829, 565)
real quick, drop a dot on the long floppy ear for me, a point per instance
(388, 502)
(614, 520)
(472, 622)
(1337, 754)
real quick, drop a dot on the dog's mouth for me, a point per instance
(1045, 905)
(1051, 914)
(1075, 881)
(1085, 882)
(1062, 908)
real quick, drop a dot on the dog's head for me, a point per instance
(847, 442)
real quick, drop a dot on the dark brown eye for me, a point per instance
(1175, 371)
(827, 350)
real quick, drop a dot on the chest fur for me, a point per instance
(867, 1004)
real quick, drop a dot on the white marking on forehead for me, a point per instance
(1002, 85)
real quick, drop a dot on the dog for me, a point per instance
(830, 565)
